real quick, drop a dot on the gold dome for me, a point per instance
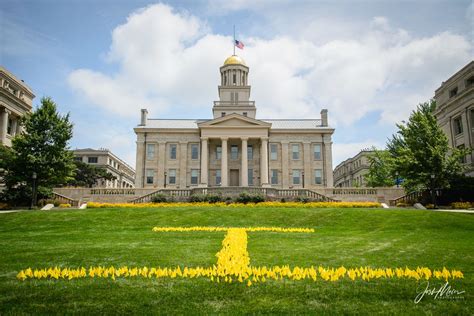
(234, 60)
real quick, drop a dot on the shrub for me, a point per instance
(197, 198)
(283, 200)
(65, 205)
(159, 198)
(461, 205)
(213, 198)
(257, 198)
(302, 199)
(430, 206)
(3, 206)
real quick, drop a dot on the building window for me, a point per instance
(250, 152)
(295, 149)
(245, 113)
(149, 176)
(78, 159)
(150, 151)
(273, 152)
(172, 176)
(9, 126)
(472, 118)
(234, 152)
(234, 78)
(318, 176)
(250, 176)
(274, 177)
(218, 152)
(222, 114)
(218, 177)
(92, 159)
(317, 152)
(173, 148)
(194, 176)
(296, 176)
(194, 151)
(457, 126)
(453, 92)
(469, 82)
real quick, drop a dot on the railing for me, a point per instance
(235, 191)
(230, 103)
(65, 200)
(168, 192)
(410, 198)
(303, 193)
(354, 191)
(113, 191)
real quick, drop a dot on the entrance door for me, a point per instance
(234, 177)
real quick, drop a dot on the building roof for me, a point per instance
(193, 123)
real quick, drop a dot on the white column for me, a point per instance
(224, 177)
(264, 162)
(204, 162)
(328, 161)
(4, 124)
(245, 168)
(183, 158)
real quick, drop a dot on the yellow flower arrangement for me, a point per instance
(233, 264)
(65, 205)
(248, 205)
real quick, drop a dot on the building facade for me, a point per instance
(455, 111)
(104, 158)
(351, 172)
(16, 99)
(234, 148)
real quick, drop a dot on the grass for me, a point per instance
(349, 237)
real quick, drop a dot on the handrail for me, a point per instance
(64, 199)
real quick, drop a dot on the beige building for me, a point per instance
(16, 99)
(234, 148)
(455, 111)
(351, 172)
(104, 158)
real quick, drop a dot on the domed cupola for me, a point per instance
(234, 90)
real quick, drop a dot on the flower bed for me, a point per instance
(223, 204)
(233, 265)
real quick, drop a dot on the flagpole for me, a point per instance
(233, 44)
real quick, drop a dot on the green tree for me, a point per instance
(41, 149)
(421, 152)
(87, 175)
(380, 169)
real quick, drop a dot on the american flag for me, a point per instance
(239, 44)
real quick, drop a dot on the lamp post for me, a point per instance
(398, 182)
(302, 173)
(165, 180)
(433, 197)
(33, 197)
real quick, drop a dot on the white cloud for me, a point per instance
(170, 59)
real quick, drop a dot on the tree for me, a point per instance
(380, 169)
(41, 149)
(421, 152)
(87, 175)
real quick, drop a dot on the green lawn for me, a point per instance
(348, 237)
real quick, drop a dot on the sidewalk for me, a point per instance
(455, 211)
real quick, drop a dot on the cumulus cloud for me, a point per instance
(169, 59)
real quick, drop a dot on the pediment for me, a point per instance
(234, 120)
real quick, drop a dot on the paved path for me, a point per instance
(456, 211)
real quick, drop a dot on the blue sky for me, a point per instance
(368, 62)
